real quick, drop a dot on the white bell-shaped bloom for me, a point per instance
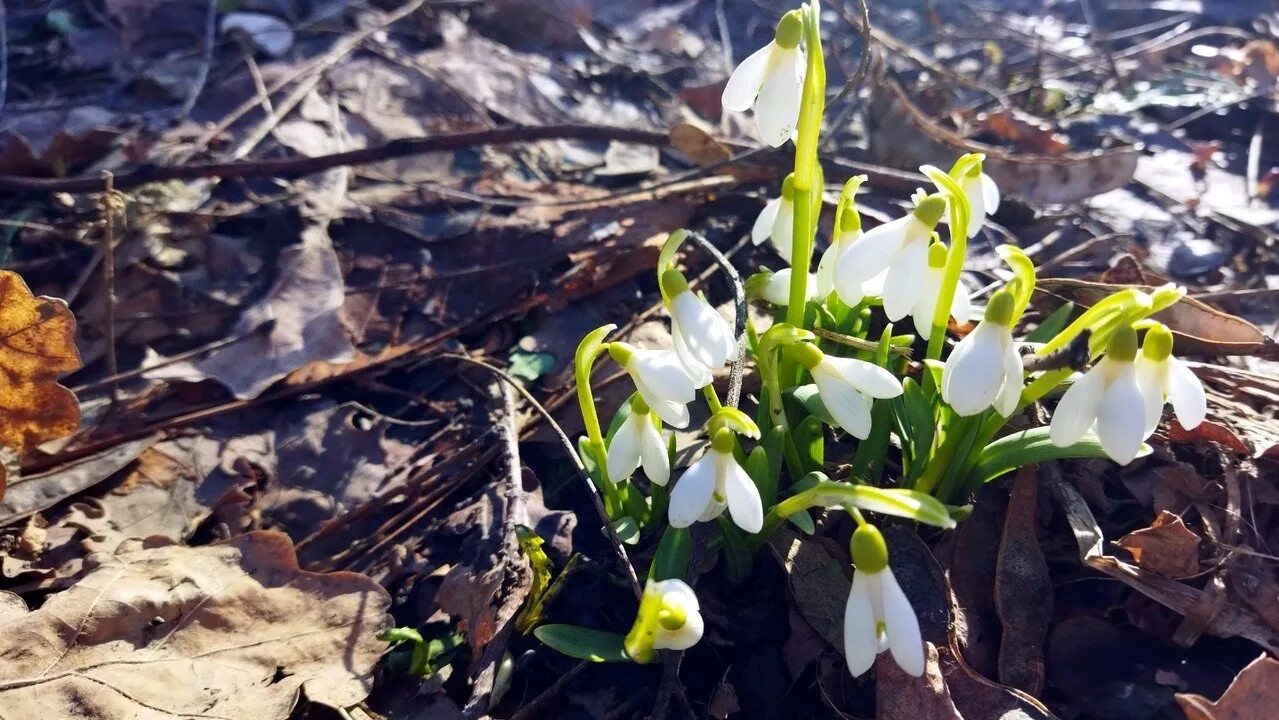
(776, 222)
(1108, 399)
(878, 615)
(661, 380)
(777, 288)
(771, 80)
(847, 386)
(703, 338)
(983, 199)
(715, 482)
(899, 249)
(830, 260)
(930, 291)
(638, 441)
(1165, 378)
(984, 369)
(679, 621)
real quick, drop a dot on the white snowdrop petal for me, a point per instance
(868, 378)
(830, 259)
(706, 334)
(1078, 407)
(743, 85)
(763, 226)
(990, 194)
(847, 406)
(973, 382)
(777, 107)
(663, 374)
(961, 306)
(777, 289)
(671, 412)
(872, 253)
(1187, 394)
(1010, 394)
(861, 639)
(624, 451)
(1150, 376)
(977, 205)
(699, 375)
(874, 287)
(906, 276)
(676, 594)
(926, 302)
(904, 638)
(1121, 418)
(783, 232)
(693, 492)
(653, 454)
(744, 504)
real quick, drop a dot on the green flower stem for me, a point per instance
(953, 437)
(959, 213)
(829, 493)
(587, 352)
(812, 107)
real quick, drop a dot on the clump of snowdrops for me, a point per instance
(825, 374)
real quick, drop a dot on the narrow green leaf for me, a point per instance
(627, 529)
(583, 643)
(673, 552)
(810, 442)
(1053, 324)
(1029, 447)
(809, 397)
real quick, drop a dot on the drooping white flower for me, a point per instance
(878, 615)
(639, 440)
(776, 222)
(669, 618)
(899, 249)
(777, 289)
(845, 236)
(984, 369)
(660, 379)
(771, 80)
(715, 482)
(930, 291)
(979, 190)
(703, 338)
(847, 386)
(1165, 378)
(1108, 399)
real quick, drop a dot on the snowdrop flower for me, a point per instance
(660, 379)
(878, 616)
(639, 441)
(930, 291)
(776, 289)
(1163, 376)
(716, 481)
(703, 339)
(847, 385)
(983, 198)
(776, 222)
(772, 81)
(899, 248)
(669, 618)
(984, 369)
(849, 232)
(1109, 399)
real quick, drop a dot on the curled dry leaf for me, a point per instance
(899, 696)
(229, 631)
(38, 346)
(1023, 589)
(1252, 696)
(1167, 547)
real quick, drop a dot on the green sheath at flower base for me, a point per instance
(930, 209)
(1001, 307)
(1158, 343)
(869, 551)
(673, 283)
(733, 420)
(937, 255)
(806, 353)
(723, 441)
(847, 219)
(666, 258)
(790, 29)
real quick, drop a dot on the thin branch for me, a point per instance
(1074, 356)
(206, 60)
(734, 396)
(618, 548)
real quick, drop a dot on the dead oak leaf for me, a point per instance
(37, 344)
(1167, 547)
(1251, 696)
(227, 631)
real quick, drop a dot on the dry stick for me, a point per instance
(1100, 39)
(618, 548)
(109, 200)
(863, 68)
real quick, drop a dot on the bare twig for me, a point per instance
(618, 548)
(1074, 356)
(863, 65)
(109, 202)
(734, 396)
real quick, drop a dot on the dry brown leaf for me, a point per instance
(228, 631)
(698, 144)
(1252, 695)
(899, 696)
(1167, 547)
(1023, 589)
(1208, 431)
(34, 493)
(38, 346)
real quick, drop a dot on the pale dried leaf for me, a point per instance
(1167, 547)
(229, 631)
(1252, 696)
